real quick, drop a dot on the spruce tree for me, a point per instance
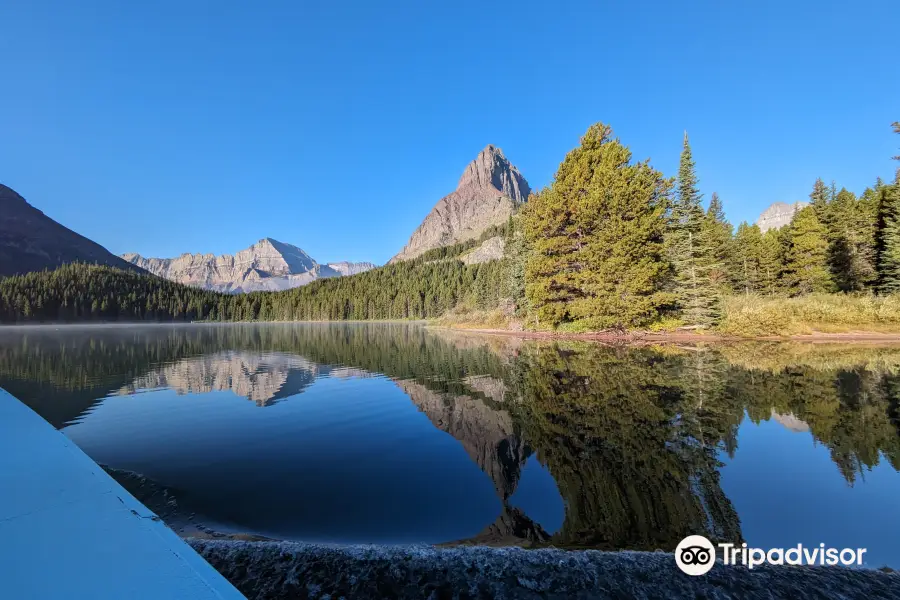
(516, 253)
(888, 237)
(772, 255)
(887, 242)
(852, 243)
(896, 126)
(744, 260)
(716, 238)
(595, 236)
(806, 267)
(697, 297)
(819, 198)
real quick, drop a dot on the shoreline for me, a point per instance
(649, 337)
(626, 337)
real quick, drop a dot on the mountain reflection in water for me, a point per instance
(577, 444)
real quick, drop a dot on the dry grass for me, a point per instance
(478, 319)
(753, 315)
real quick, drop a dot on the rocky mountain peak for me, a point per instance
(778, 214)
(491, 168)
(267, 265)
(292, 258)
(488, 193)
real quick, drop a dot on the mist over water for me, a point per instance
(396, 433)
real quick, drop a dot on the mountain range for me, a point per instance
(32, 241)
(267, 265)
(489, 191)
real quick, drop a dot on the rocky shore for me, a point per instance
(281, 570)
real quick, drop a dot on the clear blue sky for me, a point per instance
(173, 126)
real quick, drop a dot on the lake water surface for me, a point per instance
(396, 433)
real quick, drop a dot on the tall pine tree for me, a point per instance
(888, 237)
(772, 251)
(744, 260)
(896, 126)
(888, 232)
(819, 198)
(716, 236)
(806, 268)
(852, 243)
(596, 237)
(697, 297)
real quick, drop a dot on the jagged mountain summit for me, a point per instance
(351, 268)
(488, 192)
(778, 215)
(268, 265)
(32, 241)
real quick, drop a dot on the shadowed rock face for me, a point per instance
(778, 215)
(488, 193)
(32, 241)
(512, 528)
(487, 434)
(266, 265)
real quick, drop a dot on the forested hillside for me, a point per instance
(415, 290)
(610, 243)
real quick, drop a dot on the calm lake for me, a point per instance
(396, 433)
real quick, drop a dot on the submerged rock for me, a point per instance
(275, 570)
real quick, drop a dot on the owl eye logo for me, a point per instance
(695, 555)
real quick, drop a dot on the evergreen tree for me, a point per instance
(818, 199)
(744, 260)
(772, 256)
(516, 254)
(896, 126)
(696, 294)
(888, 237)
(595, 235)
(852, 243)
(806, 267)
(716, 237)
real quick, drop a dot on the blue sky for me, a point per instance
(166, 127)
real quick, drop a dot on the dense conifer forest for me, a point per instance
(610, 243)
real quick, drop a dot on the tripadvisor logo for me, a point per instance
(696, 555)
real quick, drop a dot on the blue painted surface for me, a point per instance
(69, 531)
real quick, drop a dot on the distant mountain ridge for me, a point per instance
(488, 193)
(778, 214)
(32, 241)
(267, 265)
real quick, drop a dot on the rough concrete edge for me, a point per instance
(275, 570)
